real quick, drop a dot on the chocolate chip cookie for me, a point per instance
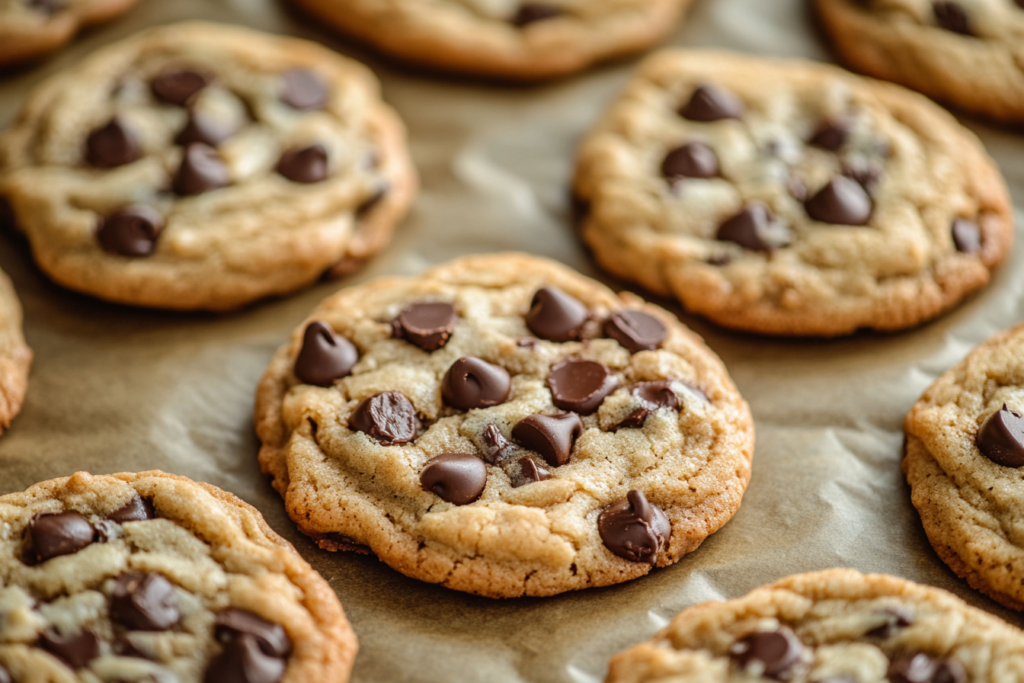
(964, 453)
(15, 356)
(504, 426)
(790, 198)
(199, 166)
(835, 626)
(966, 53)
(153, 578)
(32, 28)
(508, 39)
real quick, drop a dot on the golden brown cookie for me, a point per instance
(32, 28)
(15, 356)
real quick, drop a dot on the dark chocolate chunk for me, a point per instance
(755, 228)
(556, 316)
(138, 509)
(131, 231)
(921, 668)
(307, 165)
(178, 87)
(636, 330)
(201, 170)
(271, 638)
(552, 436)
(75, 650)
(1001, 438)
(144, 602)
(112, 145)
(243, 661)
(653, 396)
(304, 89)
(581, 385)
(532, 12)
(952, 17)
(474, 383)
(832, 134)
(896, 618)
(843, 201)
(457, 478)
(497, 449)
(325, 357)
(205, 129)
(775, 651)
(389, 417)
(52, 534)
(966, 235)
(427, 325)
(530, 472)
(692, 160)
(712, 103)
(634, 529)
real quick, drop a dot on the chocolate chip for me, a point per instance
(633, 529)
(842, 202)
(205, 129)
(457, 478)
(5, 675)
(52, 534)
(112, 145)
(636, 330)
(653, 396)
(497, 448)
(529, 473)
(271, 638)
(178, 87)
(966, 236)
(921, 668)
(712, 103)
(325, 357)
(304, 89)
(755, 228)
(556, 316)
(76, 650)
(131, 231)
(776, 652)
(580, 385)
(1001, 438)
(242, 661)
(427, 325)
(473, 383)
(552, 436)
(201, 170)
(532, 12)
(390, 418)
(832, 134)
(952, 17)
(896, 618)
(144, 602)
(307, 165)
(692, 160)
(138, 509)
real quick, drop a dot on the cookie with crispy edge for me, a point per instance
(37, 33)
(15, 356)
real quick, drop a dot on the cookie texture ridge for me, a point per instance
(504, 426)
(15, 355)
(30, 29)
(505, 39)
(790, 198)
(834, 626)
(199, 166)
(153, 577)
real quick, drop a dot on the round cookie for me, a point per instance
(508, 39)
(198, 166)
(15, 356)
(503, 426)
(790, 198)
(834, 626)
(32, 28)
(152, 577)
(966, 53)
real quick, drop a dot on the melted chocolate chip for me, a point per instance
(112, 145)
(775, 651)
(633, 529)
(205, 129)
(325, 357)
(712, 103)
(131, 231)
(532, 12)
(242, 661)
(457, 478)
(497, 449)
(692, 160)
(53, 534)
(529, 473)
(580, 385)
(966, 236)
(427, 325)
(201, 170)
(144, 602)
(896, 618)
(473, 383)
(556, 316)
(138, 509)
(76, 650)
(304, 89)
(921, 668)
(635, 330)
(832, 134)
(178, 87)
(952, 17)
(755, 228)
(307, 165)
(390, 418)
(271, 638)
(842, 202)
(552, 436)
(1001, 438)
(653, 396)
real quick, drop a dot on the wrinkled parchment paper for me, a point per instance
(115, 388)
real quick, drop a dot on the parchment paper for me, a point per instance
(116, 389)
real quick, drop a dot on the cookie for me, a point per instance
(152, 577)
(30, 29)
(790, 198)
(199, 166)
(834, 626)
(504, 426)
(15, 356)
(506, 39)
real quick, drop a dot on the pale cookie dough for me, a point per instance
(15, 356)
(508, 39)
(32, 28)
(198, 166)
(579, 462)
(153, 578)
(967, 53)
(790, 198)
(835, 626)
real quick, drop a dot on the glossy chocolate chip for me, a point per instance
(774, 652)
(325, 357)
(1001, 438)
(271, 638)
(76, 650)
(896, 619)
(144, 602)
(921, 668)
(532, 12)
(474, 383)
(529, 472)
(131, 231)
(832, 134)
(952, 17)
(53, 534)
(552, 436)
(205, 129)
(427, 325)
(178, 87)
(307, 165)
(634, 529)
(304, 89)
(201, 170)
(635, 330)
(457, 478)
(755, 228)
(390, 418)
(497, 449)
(112, 145)
(242, 661)
(556, 316)
(712, 103)
(966, 236)
(581, 385)
(843, 201)
(692, 160)
(138, 509)
(652, 396)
